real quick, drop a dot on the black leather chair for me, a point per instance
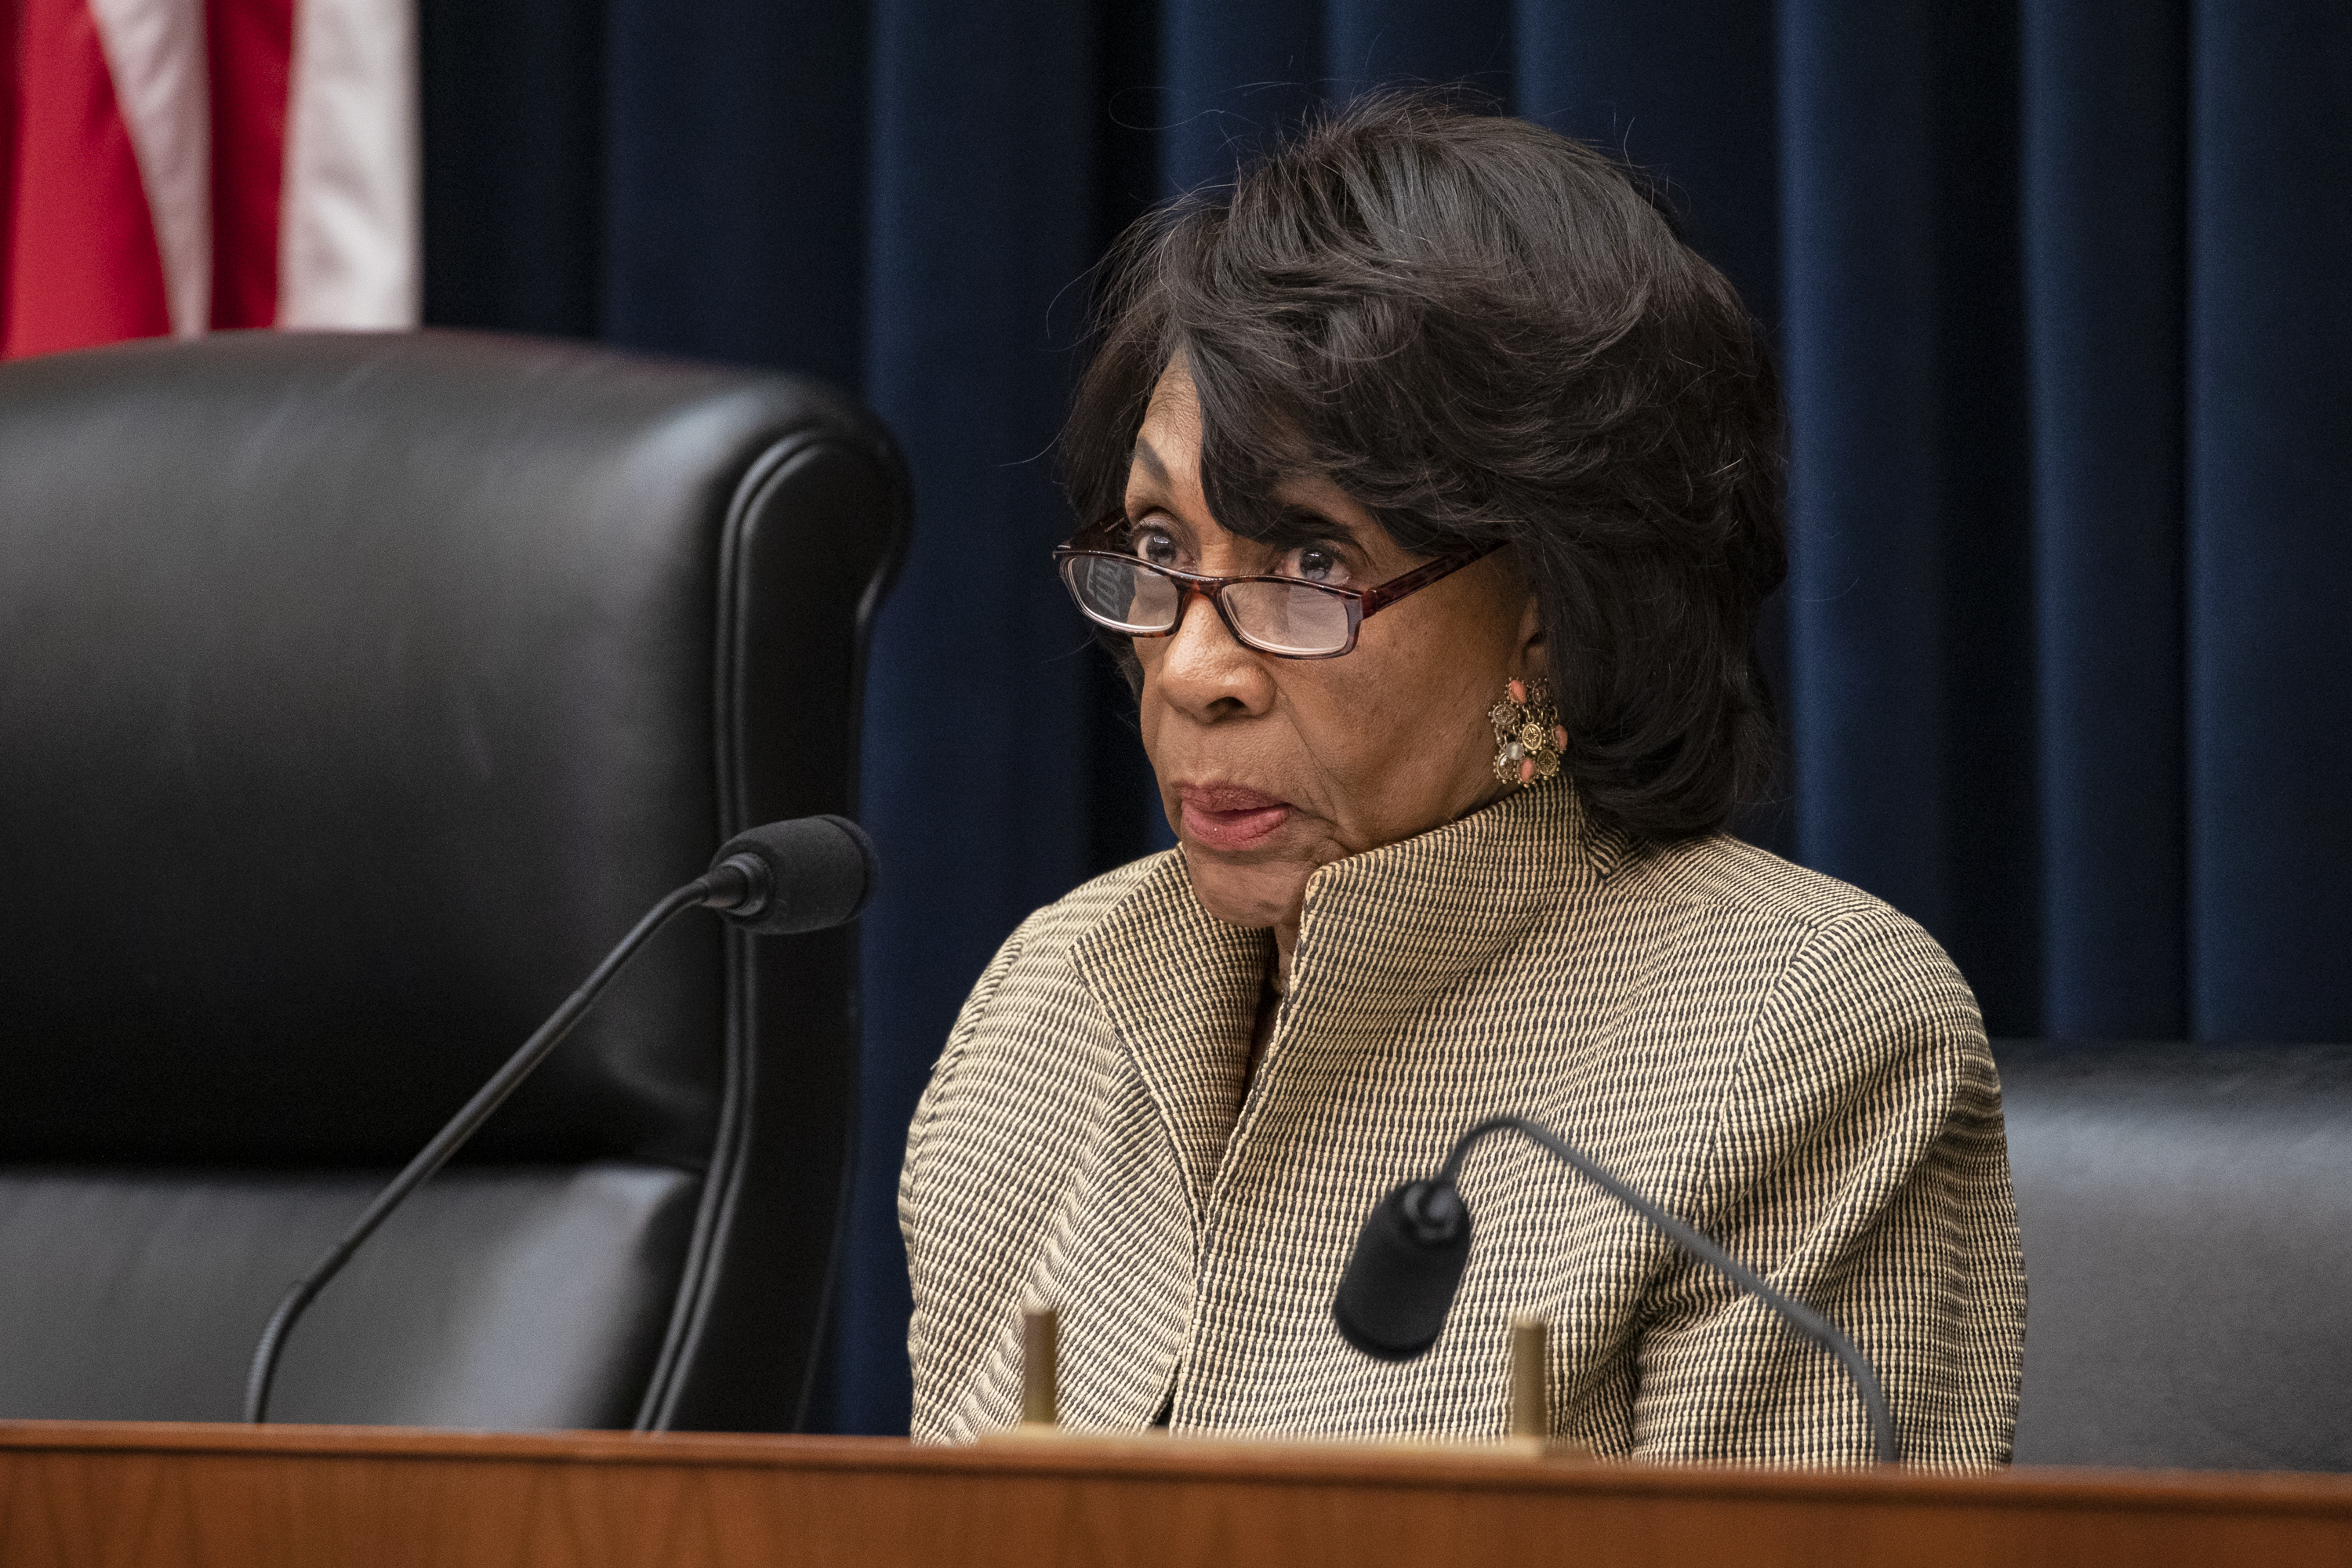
(2187, 1214)
(356, 693)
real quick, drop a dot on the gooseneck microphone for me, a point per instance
(1399, 1282)
(809, 874)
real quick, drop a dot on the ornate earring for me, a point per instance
(1529, 735)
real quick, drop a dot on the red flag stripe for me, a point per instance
(251, 44)
(81, 265)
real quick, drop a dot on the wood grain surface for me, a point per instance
(135, 1496)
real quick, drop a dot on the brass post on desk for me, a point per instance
(1040, 1344)
(1531, 1379)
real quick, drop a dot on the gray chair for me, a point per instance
(2187, 1214)
(356, 693)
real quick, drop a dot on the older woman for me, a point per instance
(1431, 487)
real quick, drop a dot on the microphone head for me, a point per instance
(820, 872)
(1401, 1281)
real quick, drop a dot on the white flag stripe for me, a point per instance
(349, 231)
(155, 53)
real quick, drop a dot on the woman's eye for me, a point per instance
(1315, 565)
(1154, 545)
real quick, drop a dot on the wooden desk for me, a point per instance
(126, 1496)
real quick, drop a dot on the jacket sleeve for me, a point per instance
(1861, 1166)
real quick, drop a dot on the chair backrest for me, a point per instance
(2187, 1221)
(356, 693)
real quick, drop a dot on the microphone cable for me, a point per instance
(1799, 1316)
(1399, 1281)
(447, 1141)
(826, 861)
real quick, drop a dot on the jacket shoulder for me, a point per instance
(1037, 952)
(1830, 934)
(1068, 918)
(1739, 876)
(1030, 977)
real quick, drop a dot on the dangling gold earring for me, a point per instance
(1529, 735)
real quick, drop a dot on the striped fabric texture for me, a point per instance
(1778, 1057)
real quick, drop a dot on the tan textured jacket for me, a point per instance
(1781, 1058)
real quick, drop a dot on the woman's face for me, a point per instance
(1270, 768)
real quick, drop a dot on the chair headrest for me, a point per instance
(356, 693)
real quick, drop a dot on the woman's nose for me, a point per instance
(1206, 670)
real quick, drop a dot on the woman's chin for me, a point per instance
(1261, 892)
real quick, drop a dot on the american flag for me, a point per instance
(172, 166)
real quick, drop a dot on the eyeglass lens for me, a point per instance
(1275, 616)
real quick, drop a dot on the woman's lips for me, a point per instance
(1228, 816)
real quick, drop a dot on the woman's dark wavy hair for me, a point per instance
(1484, 331)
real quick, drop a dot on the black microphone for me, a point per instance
(808, 874)
(1401, 1279)
(812, 873)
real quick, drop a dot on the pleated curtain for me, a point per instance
(2061, 292)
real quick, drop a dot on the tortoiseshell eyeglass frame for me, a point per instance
(1360, 602)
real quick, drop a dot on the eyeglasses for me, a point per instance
(1286, 616)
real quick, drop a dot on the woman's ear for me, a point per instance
(1530, 656)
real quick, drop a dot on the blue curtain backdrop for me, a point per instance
(2063, 290)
